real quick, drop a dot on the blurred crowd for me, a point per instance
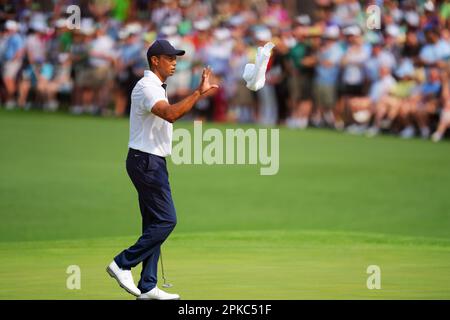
(329, 67)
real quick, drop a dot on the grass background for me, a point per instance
(338, 204)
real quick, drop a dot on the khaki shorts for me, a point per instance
(325, 95)
(99, 77)
(11, 69)
(445, 116)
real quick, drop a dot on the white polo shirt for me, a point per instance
(148, 132)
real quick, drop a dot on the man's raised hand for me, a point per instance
(205, 88)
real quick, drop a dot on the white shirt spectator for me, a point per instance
(102, 45)
(353, 70)
(346, 13)
(381, 87)
(384, 59)
(432, 53)
(35, 47)
(148, 132)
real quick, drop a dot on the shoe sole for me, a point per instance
(146, 299)
(112, 275)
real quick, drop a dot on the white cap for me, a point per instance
(412, 18)
(263, 35)
(331, 32)
(12, 25)
(123, 33)
(39, 25)
(87, 26)
(60, 23)
(303, 19)
(133, 28)
(393, 30)
(429, 6)
(168, 30)
(202, 25)
(352, 31)
(222, 34)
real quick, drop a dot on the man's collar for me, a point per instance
(153, 76)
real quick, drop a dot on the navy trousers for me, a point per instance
(149, 175)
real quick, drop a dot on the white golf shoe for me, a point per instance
(158, 294)
(124, 278)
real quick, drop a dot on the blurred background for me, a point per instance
(327, 69)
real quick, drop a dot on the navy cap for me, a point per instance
(162, 46)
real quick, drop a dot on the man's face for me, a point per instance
(165, 65)
(376, 49)
(431, 37)
(434, 75)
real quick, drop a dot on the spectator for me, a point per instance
(37, 71)
(380, 57)
(12, 60)
(179, 85)
(278, 76)
(102, 57)
(364, 108)
(353, 70)
(267, 101)
(128, 66)
(425, 101)
(242, 101)
(396, 104)
(304, 60)
(431, 54)
(79, 51)
(327, 73)
(444, 121)
(412, 46)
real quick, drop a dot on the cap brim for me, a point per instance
(173, 53)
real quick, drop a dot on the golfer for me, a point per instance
(150, 143)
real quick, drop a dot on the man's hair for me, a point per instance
(150, 64)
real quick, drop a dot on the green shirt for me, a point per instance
(403, 89)
(120, 9)
(445, 11)
(297, 53)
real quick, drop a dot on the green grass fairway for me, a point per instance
(338, 204)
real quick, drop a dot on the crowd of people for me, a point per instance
(328, 68)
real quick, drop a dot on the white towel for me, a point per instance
(255, 74)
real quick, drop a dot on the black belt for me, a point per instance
(145, 153)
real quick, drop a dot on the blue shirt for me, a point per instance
(431, 88)
(373, 64)
(431, 53)
(131, 53)
(13, 45)
(329, 75)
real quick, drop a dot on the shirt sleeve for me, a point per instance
(151, 95)
(426, 54)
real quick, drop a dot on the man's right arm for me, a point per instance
(173, 112)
